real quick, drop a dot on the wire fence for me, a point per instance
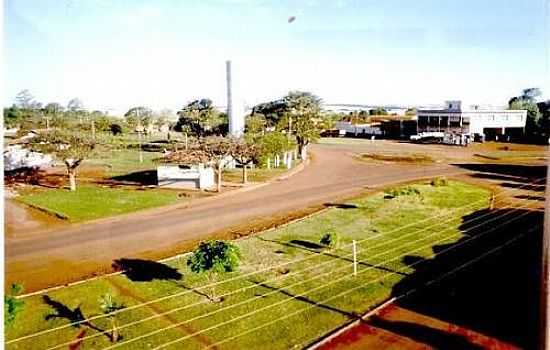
(352, 270)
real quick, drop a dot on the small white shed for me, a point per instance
(181, 176)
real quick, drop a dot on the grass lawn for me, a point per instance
(122, 162)
(254, 175)
(92, 201)
(391, 237)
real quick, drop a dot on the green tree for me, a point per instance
(200, 118)
(378, 111)
(53, 109)
(214, 257)
(527, 101)
(13, 116)
(272, 144)
(109, 306)
(138, 116)
(12, 305)
(255, 125)
(302, 110)
(70, 148)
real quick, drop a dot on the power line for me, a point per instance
(325, 285)
(158, 315)
(509, 242)
(133, 307)
(294, 297)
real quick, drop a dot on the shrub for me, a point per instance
(330, 239)
(439, 181)
(12, 305)
(116, 129)
(216, 256)
(401, 191)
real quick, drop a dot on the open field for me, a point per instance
(394, 234)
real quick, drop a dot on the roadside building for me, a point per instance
(358, 129)
(456, 120)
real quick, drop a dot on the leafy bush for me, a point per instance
(215, 256)
(116, 129)
(12, 305)
(401, 191)
(439, 181)
(330, 239)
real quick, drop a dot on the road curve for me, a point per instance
(79, 251)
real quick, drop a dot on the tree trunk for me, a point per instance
(114, 334)
(245, 175)
(72, 178)
(219, 184)
(303, 152)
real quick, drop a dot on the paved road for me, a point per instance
(74, 252)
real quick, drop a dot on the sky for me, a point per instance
(114, 55)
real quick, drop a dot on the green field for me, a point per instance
(94, 201)
(284, 274)
(121, 162)
(254, 175)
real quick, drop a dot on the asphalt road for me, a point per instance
(78, 251)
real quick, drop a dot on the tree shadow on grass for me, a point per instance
(497, 296)
(350, 315)
(341, 205)
(534, 198)
(139, 270)
(74, 316)
(525, 187)
(526, 171)
(143, 178)
(321, 249)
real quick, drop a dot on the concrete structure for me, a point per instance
(235, 105)
(191, 177)
(17, 157)
(474, 121)
(347, 128)
(350, 107)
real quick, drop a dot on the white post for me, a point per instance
(354, 258)
(268, 163)
(289, 160)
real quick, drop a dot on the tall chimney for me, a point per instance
(235, 107)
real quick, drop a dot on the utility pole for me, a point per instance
(139, 127)
(93, 129)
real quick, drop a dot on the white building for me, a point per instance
(191, 177)
(475, 121)
(357, 129)
(18, 157)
